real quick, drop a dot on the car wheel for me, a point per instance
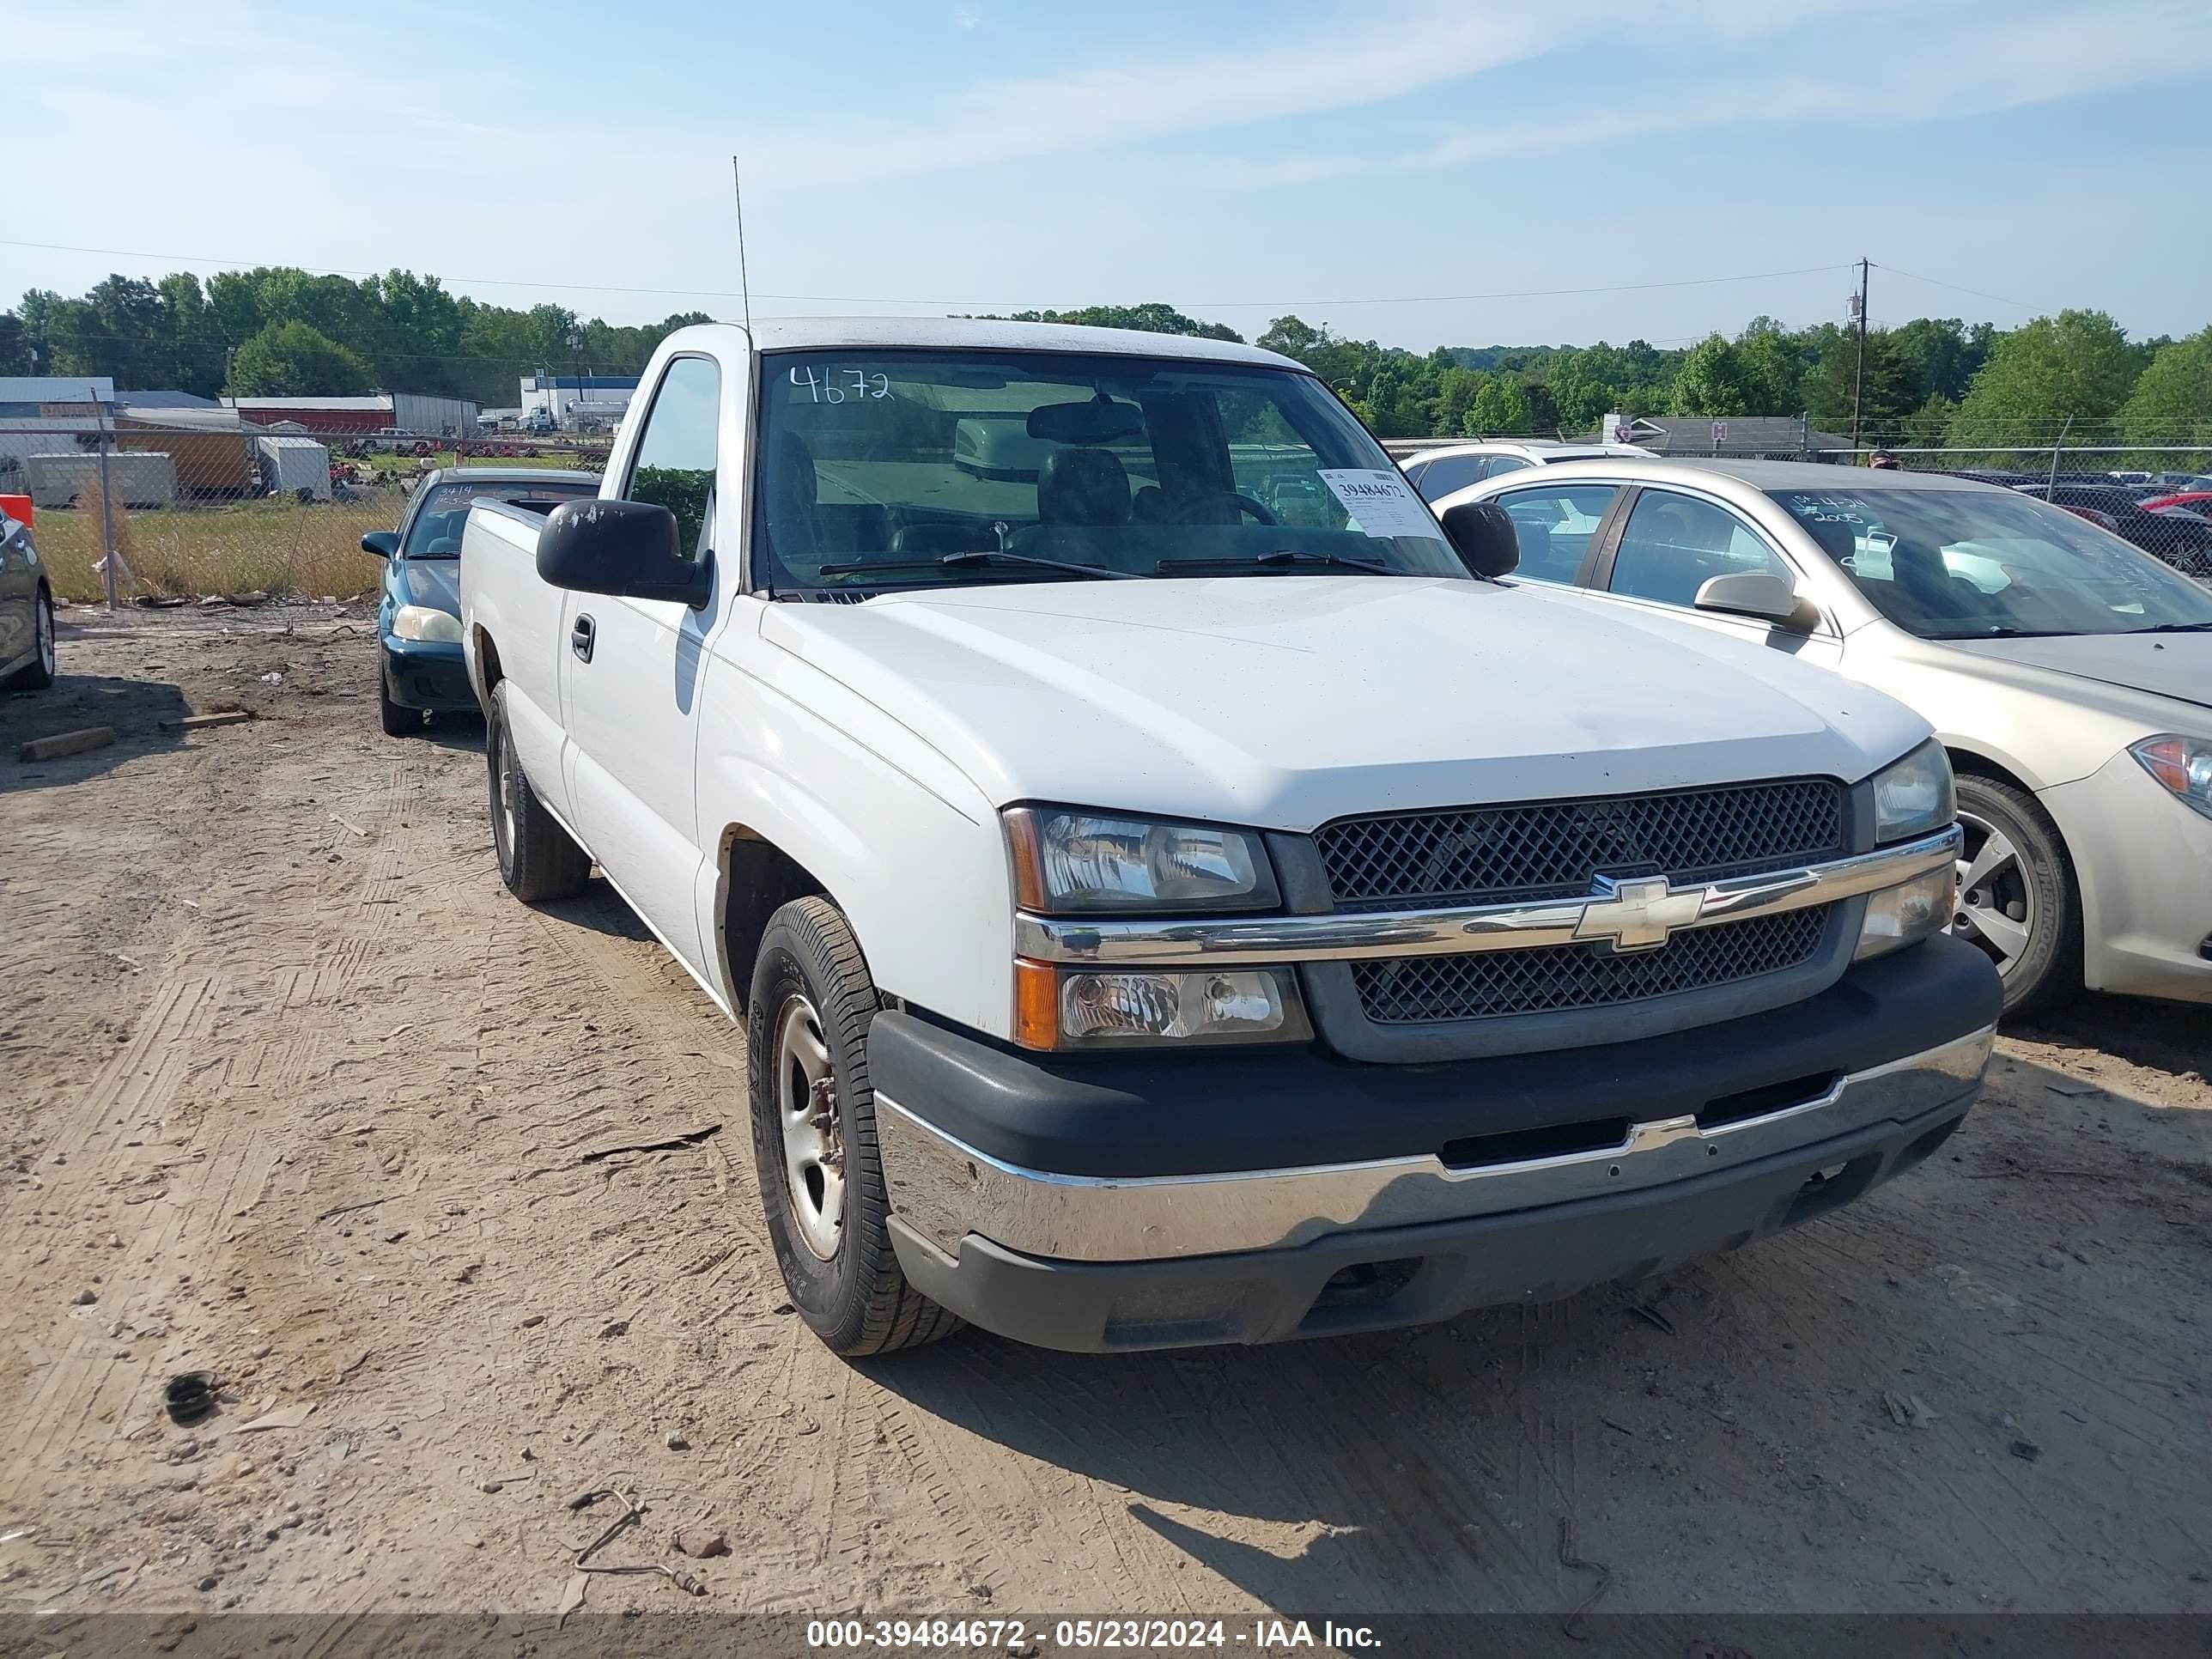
(2017, 897)
(39, 673)
(814, 1137)
(399, 720)
(537, 859)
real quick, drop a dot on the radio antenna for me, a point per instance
(744, 282)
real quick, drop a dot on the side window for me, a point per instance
(1555, 525)
(1439, 477)
(674, 466)
(1673, 543)
(1506, 464)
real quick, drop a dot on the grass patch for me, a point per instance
(269, 546)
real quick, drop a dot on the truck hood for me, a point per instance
(1287, 702)
(2178, 665)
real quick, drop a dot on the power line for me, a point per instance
(864, 299)
(1937, 281)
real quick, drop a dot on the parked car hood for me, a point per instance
(2178, 665)
(435, 582)
(1285, 702)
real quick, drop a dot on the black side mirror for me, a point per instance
(382, 542)
(629, 549)
(1482, 534)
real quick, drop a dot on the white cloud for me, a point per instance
(1950, 69)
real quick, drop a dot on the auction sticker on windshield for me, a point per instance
(1379, 502)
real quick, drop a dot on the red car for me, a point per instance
(2195, 500)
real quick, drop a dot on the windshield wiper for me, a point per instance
(1281, 559)
(2003, 633)
(971, 559)
(2172, 627)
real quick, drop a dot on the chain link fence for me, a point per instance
(185, 511)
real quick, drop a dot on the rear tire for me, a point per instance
(537, 859)
(399, 720)
(2018, 898)
(814, 1137)
(40, 673)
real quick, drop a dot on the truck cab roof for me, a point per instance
(968, 333)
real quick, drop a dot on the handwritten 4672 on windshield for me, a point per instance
(840, 384)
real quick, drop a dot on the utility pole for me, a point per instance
(1858, 371)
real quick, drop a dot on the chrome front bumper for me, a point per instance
(944, 1190)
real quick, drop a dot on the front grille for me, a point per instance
(1561, 978)
(1555, 850)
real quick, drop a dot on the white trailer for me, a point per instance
(135, 478)
(292, 464)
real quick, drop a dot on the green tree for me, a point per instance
(2077, 365)
(1500, 407)
(2171, 401)
(1579, 396)
(1893, 388)
(296, 360)
(1943, 352)
(15, 344)
(1456, 390)
(1713, 381)
(1154, 316)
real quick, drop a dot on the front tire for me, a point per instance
(537, 859)
(814, 1137)
(39, 673)
(2018, 899)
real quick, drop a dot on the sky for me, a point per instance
(1419, 171)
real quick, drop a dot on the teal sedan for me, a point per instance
(418, 616)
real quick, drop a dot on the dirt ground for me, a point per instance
(293, 1091)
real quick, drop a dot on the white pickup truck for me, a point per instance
(1173, 893)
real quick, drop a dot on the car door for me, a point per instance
(1559, 527)
(1671, 541)
(630, 673)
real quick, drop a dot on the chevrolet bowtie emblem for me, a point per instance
(1637, 914)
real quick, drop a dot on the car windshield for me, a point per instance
(1964, 564)
(436, 531)
(894, 469)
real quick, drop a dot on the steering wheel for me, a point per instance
(1183, 510)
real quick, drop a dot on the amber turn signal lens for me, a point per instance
(1036, 1004)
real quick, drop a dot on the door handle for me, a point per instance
(581, 637)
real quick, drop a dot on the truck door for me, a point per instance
(631, 673)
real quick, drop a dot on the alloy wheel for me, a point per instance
(1996, 904)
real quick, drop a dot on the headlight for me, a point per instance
(2184, 765)
(1907, 913)
(1086, 1008)
(1075, 863)
(1914, 797)
(421, 622)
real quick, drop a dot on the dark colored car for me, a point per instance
(2184, 543)
(418, 617)
(26, 612)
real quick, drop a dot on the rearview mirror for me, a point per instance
(1482, 534)
(1759, 595)
(382, 542)
(1095, 421)
(628, 549)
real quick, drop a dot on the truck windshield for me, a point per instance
(1967, 564)
(887, 469)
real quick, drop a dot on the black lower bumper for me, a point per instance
(437, 682)
(1373, 1280)
(1206, 1113)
